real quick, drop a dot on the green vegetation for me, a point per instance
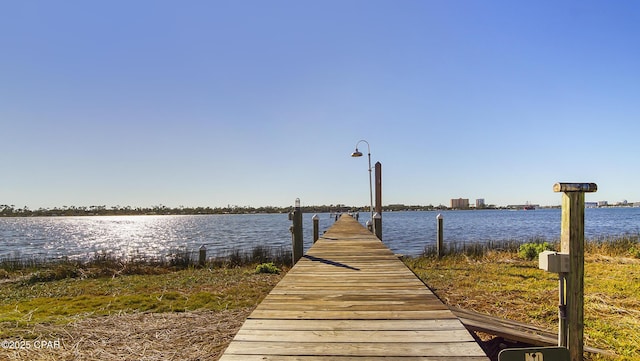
(47, 300)
(27, 300)
(267, 268)
(39, 291)
(530, 251)
(479, 249)
(103, 210)
(12, 211)
(107, 264)
(502, 284)
(625, 246)
(180, 291)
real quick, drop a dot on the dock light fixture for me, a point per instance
(357, 154)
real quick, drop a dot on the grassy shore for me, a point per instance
(503, 284)
(114, 310)
(109, 309)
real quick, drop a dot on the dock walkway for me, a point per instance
(351, 298)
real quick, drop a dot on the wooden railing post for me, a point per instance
(572, 242)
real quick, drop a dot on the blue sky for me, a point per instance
(209, 103)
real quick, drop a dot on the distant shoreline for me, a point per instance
(11, 211)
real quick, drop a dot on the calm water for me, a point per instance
(403, 232)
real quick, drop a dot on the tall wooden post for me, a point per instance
(378, 221)
(202, 255)
(316, 227)
(440, 235)
(297, 247)
(572, 242)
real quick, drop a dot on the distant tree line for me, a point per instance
(10, 210)
(13, 211)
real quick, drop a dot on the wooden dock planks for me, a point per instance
(350, 298)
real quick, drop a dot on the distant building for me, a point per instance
(590, 204)
(603, 203)
(480, 203)
(460, 203)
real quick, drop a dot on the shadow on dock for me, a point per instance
(329, 262)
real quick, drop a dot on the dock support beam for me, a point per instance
(572, 242)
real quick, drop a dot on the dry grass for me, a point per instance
(141, 336)
(500, 284)
(189, 314)
(497, 283)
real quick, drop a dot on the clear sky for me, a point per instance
(252, 103)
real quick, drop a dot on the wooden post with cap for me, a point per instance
(378, 218)
(297, 246)
(440, 235)
(316, 227)
(572, 242)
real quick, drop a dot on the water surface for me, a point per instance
(403, 232)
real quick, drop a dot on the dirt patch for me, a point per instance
(141, 336)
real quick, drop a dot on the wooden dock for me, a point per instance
(351, 298)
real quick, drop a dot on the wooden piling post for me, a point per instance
(440, 235)
(572, 242)
(377, 220)
(378, 180)
(297, 246)
(316, 227)
(202, 255)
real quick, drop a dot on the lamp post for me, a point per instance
(356, 154)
